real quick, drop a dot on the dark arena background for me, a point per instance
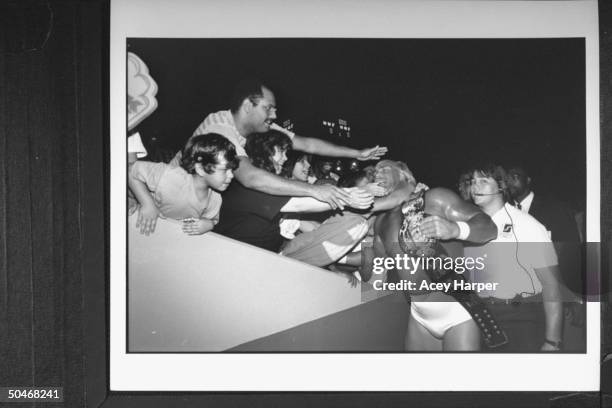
(438, 104)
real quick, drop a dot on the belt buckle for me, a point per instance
(500, 341)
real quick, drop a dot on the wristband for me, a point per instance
(464, 230)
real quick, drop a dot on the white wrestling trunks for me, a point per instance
(438, 317)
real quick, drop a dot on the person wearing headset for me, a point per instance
(522, 262)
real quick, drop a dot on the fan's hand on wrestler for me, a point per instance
(336, 197)
(439, 228)
(376, 189)
(372, 153)
(147, 218)
(197, 226)
(359, 198)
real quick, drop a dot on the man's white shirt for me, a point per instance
(526, 202)
(522, 245)
(222, 123)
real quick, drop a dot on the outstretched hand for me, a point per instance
(360, 198)
(376, 190)
(372, 153)
(336, 197)
(439, 228)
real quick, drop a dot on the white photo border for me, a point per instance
(359, 19)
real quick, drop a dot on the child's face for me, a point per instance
(221, 177)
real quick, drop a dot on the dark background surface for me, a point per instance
(438, 104)
(53, 206)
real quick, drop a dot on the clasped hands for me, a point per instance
(148, 215)
(360, 198)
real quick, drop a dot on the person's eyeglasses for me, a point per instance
(269, 108)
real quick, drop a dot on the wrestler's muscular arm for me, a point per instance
(446, 209)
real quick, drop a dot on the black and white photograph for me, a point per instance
(313, 196)
(277, 203)
(385, 114)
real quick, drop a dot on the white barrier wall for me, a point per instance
(212, 293)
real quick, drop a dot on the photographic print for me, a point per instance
(287, 188)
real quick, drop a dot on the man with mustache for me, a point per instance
(253, 110)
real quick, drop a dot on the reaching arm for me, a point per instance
(305, 204)
(397, 197)
(553, 308)
(321, 147)
(359, 199)
(264, 181)
(261, 180)
(148, 211)
(447, 209)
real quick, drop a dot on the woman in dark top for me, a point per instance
(252, 216)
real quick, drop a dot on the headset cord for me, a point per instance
(516, 255)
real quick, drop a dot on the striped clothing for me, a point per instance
(222, 122)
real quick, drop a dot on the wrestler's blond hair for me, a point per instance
(401, 167)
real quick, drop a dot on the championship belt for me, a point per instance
(413, 243)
